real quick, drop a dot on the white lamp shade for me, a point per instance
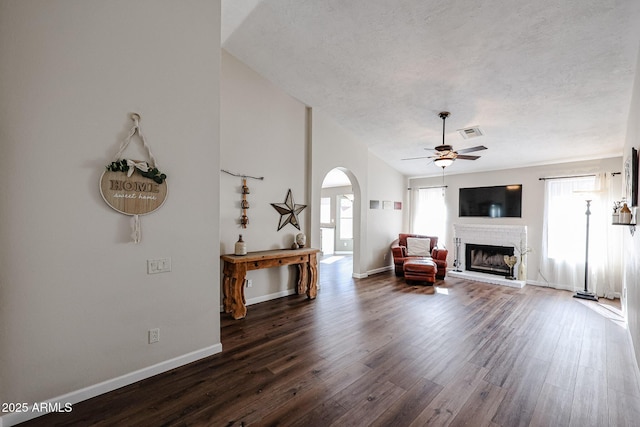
(443, 163)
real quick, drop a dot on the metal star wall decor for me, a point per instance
(288, 211)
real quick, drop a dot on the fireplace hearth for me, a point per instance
(487, 259)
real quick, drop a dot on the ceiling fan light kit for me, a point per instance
(443, 162)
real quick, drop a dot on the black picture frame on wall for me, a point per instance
(631, 178)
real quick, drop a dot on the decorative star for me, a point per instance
(288, 211)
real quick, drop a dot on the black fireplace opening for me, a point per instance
(487, 259)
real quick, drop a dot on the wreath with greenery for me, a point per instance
(151, 173)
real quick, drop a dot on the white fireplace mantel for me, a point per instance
(495, 235)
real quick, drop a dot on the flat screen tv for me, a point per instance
(493, 202)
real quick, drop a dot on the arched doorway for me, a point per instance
(340, 216)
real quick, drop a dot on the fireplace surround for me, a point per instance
(490, 235)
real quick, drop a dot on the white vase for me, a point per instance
(522, 271)
(240, 247)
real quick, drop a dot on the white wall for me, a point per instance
(75, 300)
(334, 147)
(371, 178)
(263, 134)
(532, 200)
(383, 226)
(631, 260)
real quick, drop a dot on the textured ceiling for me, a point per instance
(546, 81)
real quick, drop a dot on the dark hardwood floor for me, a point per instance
(380, 352)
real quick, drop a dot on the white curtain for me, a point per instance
(605, 266)
(429, 213)
(563, 254)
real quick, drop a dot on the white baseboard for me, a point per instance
(379, 270)
(263, 298)
(550, 285)
(77, 396)
(563, 287)
(269, 297)
(360, 275)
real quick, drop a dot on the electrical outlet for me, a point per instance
(249, 283)
(162, 265)
(154, 335)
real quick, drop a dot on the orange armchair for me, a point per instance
(399, 250)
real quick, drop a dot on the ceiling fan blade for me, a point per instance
(416, 158)
(472, 149)
(465, 157)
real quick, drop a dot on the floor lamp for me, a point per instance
(585, 294)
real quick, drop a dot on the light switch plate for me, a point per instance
(162, 265)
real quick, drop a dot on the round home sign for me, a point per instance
(133, 187)
(131, 192)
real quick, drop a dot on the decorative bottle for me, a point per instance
(625, 215)
(241, 247)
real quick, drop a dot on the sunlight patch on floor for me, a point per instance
(442, 291)
(331, 259)
(607, 311)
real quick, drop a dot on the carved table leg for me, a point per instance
(226, 286)
(303, 278)
(312, 289)
(236, 288)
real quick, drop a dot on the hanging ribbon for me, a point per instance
(136, 234)
(125, 142)
(132, 165)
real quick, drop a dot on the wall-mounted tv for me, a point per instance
(494, 202)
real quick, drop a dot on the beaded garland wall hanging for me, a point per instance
(134, 187)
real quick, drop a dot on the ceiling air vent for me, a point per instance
(471, 132)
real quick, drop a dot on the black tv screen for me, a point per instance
(494, 202)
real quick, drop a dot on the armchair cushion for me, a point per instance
(402, 239)
(418, 246)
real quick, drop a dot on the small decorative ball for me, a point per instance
(301, 240)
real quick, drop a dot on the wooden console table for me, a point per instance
(236, 267)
